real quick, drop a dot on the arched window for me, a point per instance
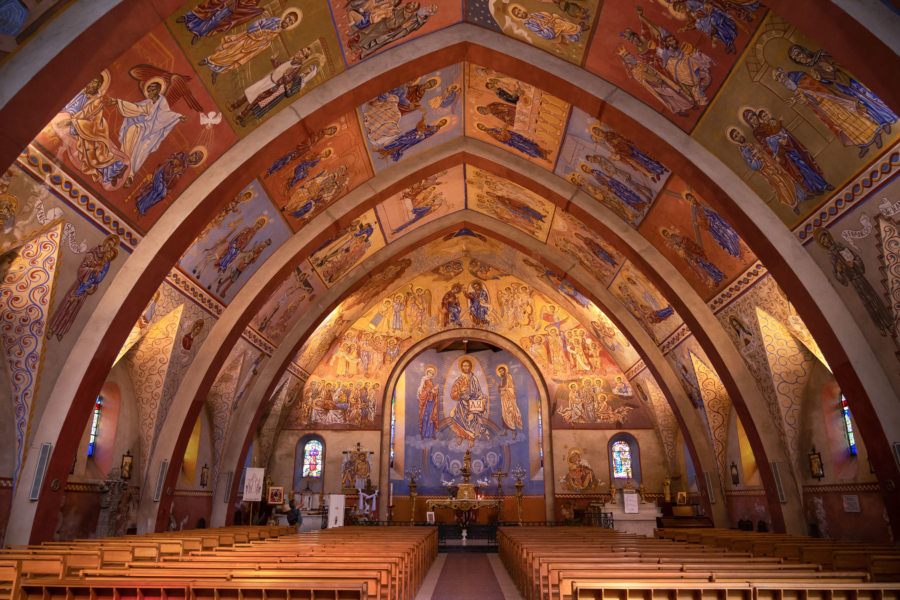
(621, 455)
(848, 425)
(624, 459)
(95, 426)
(309, 463)
(312, 459)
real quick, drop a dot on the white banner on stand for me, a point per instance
(253, 484)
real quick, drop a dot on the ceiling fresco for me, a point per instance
(179, 106)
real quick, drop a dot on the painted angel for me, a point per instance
(148, 122)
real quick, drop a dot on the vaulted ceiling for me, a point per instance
(643, 165)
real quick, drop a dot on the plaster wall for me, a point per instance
(595, 443)
(281, 465)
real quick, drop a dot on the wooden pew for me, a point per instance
(553, 562)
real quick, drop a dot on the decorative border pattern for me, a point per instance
(77, 486)
(635, 369)
(746, 492)
(44, 168)
(189, 287)
(199, 493)
(297, 371)
(261, 343)
(852, 193)
(842, 487)
(677, 336)
(6, 482)
(740, 285)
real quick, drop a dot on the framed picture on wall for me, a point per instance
(276, 495)
(429, 517)
(681, 498)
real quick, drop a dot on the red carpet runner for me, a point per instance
(467, 575)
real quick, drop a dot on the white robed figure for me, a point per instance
(148, 122)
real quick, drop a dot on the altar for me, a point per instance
(640, 522)
(466, 499)
(461, 503)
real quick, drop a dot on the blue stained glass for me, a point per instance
(393, 424)
(312, 459)
(95, 427)
(848, 425)
(621, 454)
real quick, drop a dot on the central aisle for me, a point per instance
(456, 576)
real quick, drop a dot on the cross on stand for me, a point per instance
(499, 475)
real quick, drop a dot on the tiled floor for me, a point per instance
(457, 576)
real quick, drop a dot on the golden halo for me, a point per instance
(263, 219)
(297, 12)
(513, 7)
(431, 368)
(436, 80)
(728, 133)
(497, 370)
(742, 110)
(203, 151)
(104, 82)
(327, 152)
(159, 80)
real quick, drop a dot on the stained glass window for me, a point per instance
(393, 424)
(95, 427)
(312, 459)
(540, 437)
(621, 453)
(848, 426)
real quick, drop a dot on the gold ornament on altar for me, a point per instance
(466, 490)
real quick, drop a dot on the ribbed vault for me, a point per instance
(861, 370)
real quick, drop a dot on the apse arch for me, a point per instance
(373, 266)
(119, 311)
(488, 337)
(514, 237)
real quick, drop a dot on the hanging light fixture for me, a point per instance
(735, 476)
(204, 476)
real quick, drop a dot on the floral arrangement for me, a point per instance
(450, 486)
(519, 472)
(483, 482)
(414, 474)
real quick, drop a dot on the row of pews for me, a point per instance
(229, 563)
(568, 563)
(881, 561)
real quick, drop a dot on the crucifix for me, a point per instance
(499, 475)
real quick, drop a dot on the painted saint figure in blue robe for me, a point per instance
(517, 141)
(479, 307)
(828, 72)
(218, 16)
(91, 272)
(694, 256)
(705, 217)
(164, 179)
(403, 142)
(616, 188)
(428, 398)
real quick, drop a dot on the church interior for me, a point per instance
(544, 256)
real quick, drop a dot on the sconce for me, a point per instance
(125, 468)
(816, 468)
(204, 476)
(735, 476)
